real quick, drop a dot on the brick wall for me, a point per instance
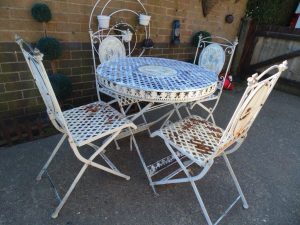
(18, 95)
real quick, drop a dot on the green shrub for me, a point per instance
(50, 47)
(271, 12)
(204, 34)
(61, 85)
(41, 12)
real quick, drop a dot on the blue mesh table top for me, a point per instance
(149, 76)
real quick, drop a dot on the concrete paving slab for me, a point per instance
(267, 166)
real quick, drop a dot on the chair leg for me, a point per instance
(117, 145)
(177, 111)
(143, 163)
(71, 188)
(144, 118)
(39, 176)
(201, 203)
(104, 157)
(210, 116)
(238, 187)
(208, 110)
(208, 220)
(188, 111)
(88, 162)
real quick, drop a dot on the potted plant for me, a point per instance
(204, 34)
(51, 48)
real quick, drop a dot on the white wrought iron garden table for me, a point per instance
(155, 80)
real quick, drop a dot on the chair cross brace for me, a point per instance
(87, 162)
(184, 167)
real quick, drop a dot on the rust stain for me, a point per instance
(201, 146)
(92, 108)
(246, 114)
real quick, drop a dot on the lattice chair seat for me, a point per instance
(194, 137)
(89, 122)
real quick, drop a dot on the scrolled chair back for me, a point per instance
(258, 90)
(215, 52)
(34, 59)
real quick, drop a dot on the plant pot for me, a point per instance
(103, 21)
(144, 19)
(148, 43)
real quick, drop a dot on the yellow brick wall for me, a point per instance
(20, 101)
(70, 18)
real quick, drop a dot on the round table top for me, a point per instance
(157, 79)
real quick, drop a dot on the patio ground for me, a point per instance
(267, 166)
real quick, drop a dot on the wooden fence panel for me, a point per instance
(268, 48)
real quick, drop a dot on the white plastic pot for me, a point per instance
(103, 21)
(144, 19)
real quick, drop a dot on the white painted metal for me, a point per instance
(125, 35)
(111, 48)
(82, 125)
(212, 57)
(156, 79)
(201, 141)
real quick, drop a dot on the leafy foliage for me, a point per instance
(61, 85)
(41, 12)
(50, 47)
(271, 12)
(204, 34)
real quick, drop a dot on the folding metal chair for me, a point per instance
(215, 51)
(82, 125)
(195, 141)
(108, 43)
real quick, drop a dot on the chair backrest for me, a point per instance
(119, 24)
(109, 46)
(214, 51)
(212, 58)
(34, 60)
(258, 89)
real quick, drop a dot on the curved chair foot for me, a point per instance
(54, 215)
(39, 177)
(245, 206)
(156, 195)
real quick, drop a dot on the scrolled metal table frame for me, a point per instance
(179, 82)
(132, 78)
